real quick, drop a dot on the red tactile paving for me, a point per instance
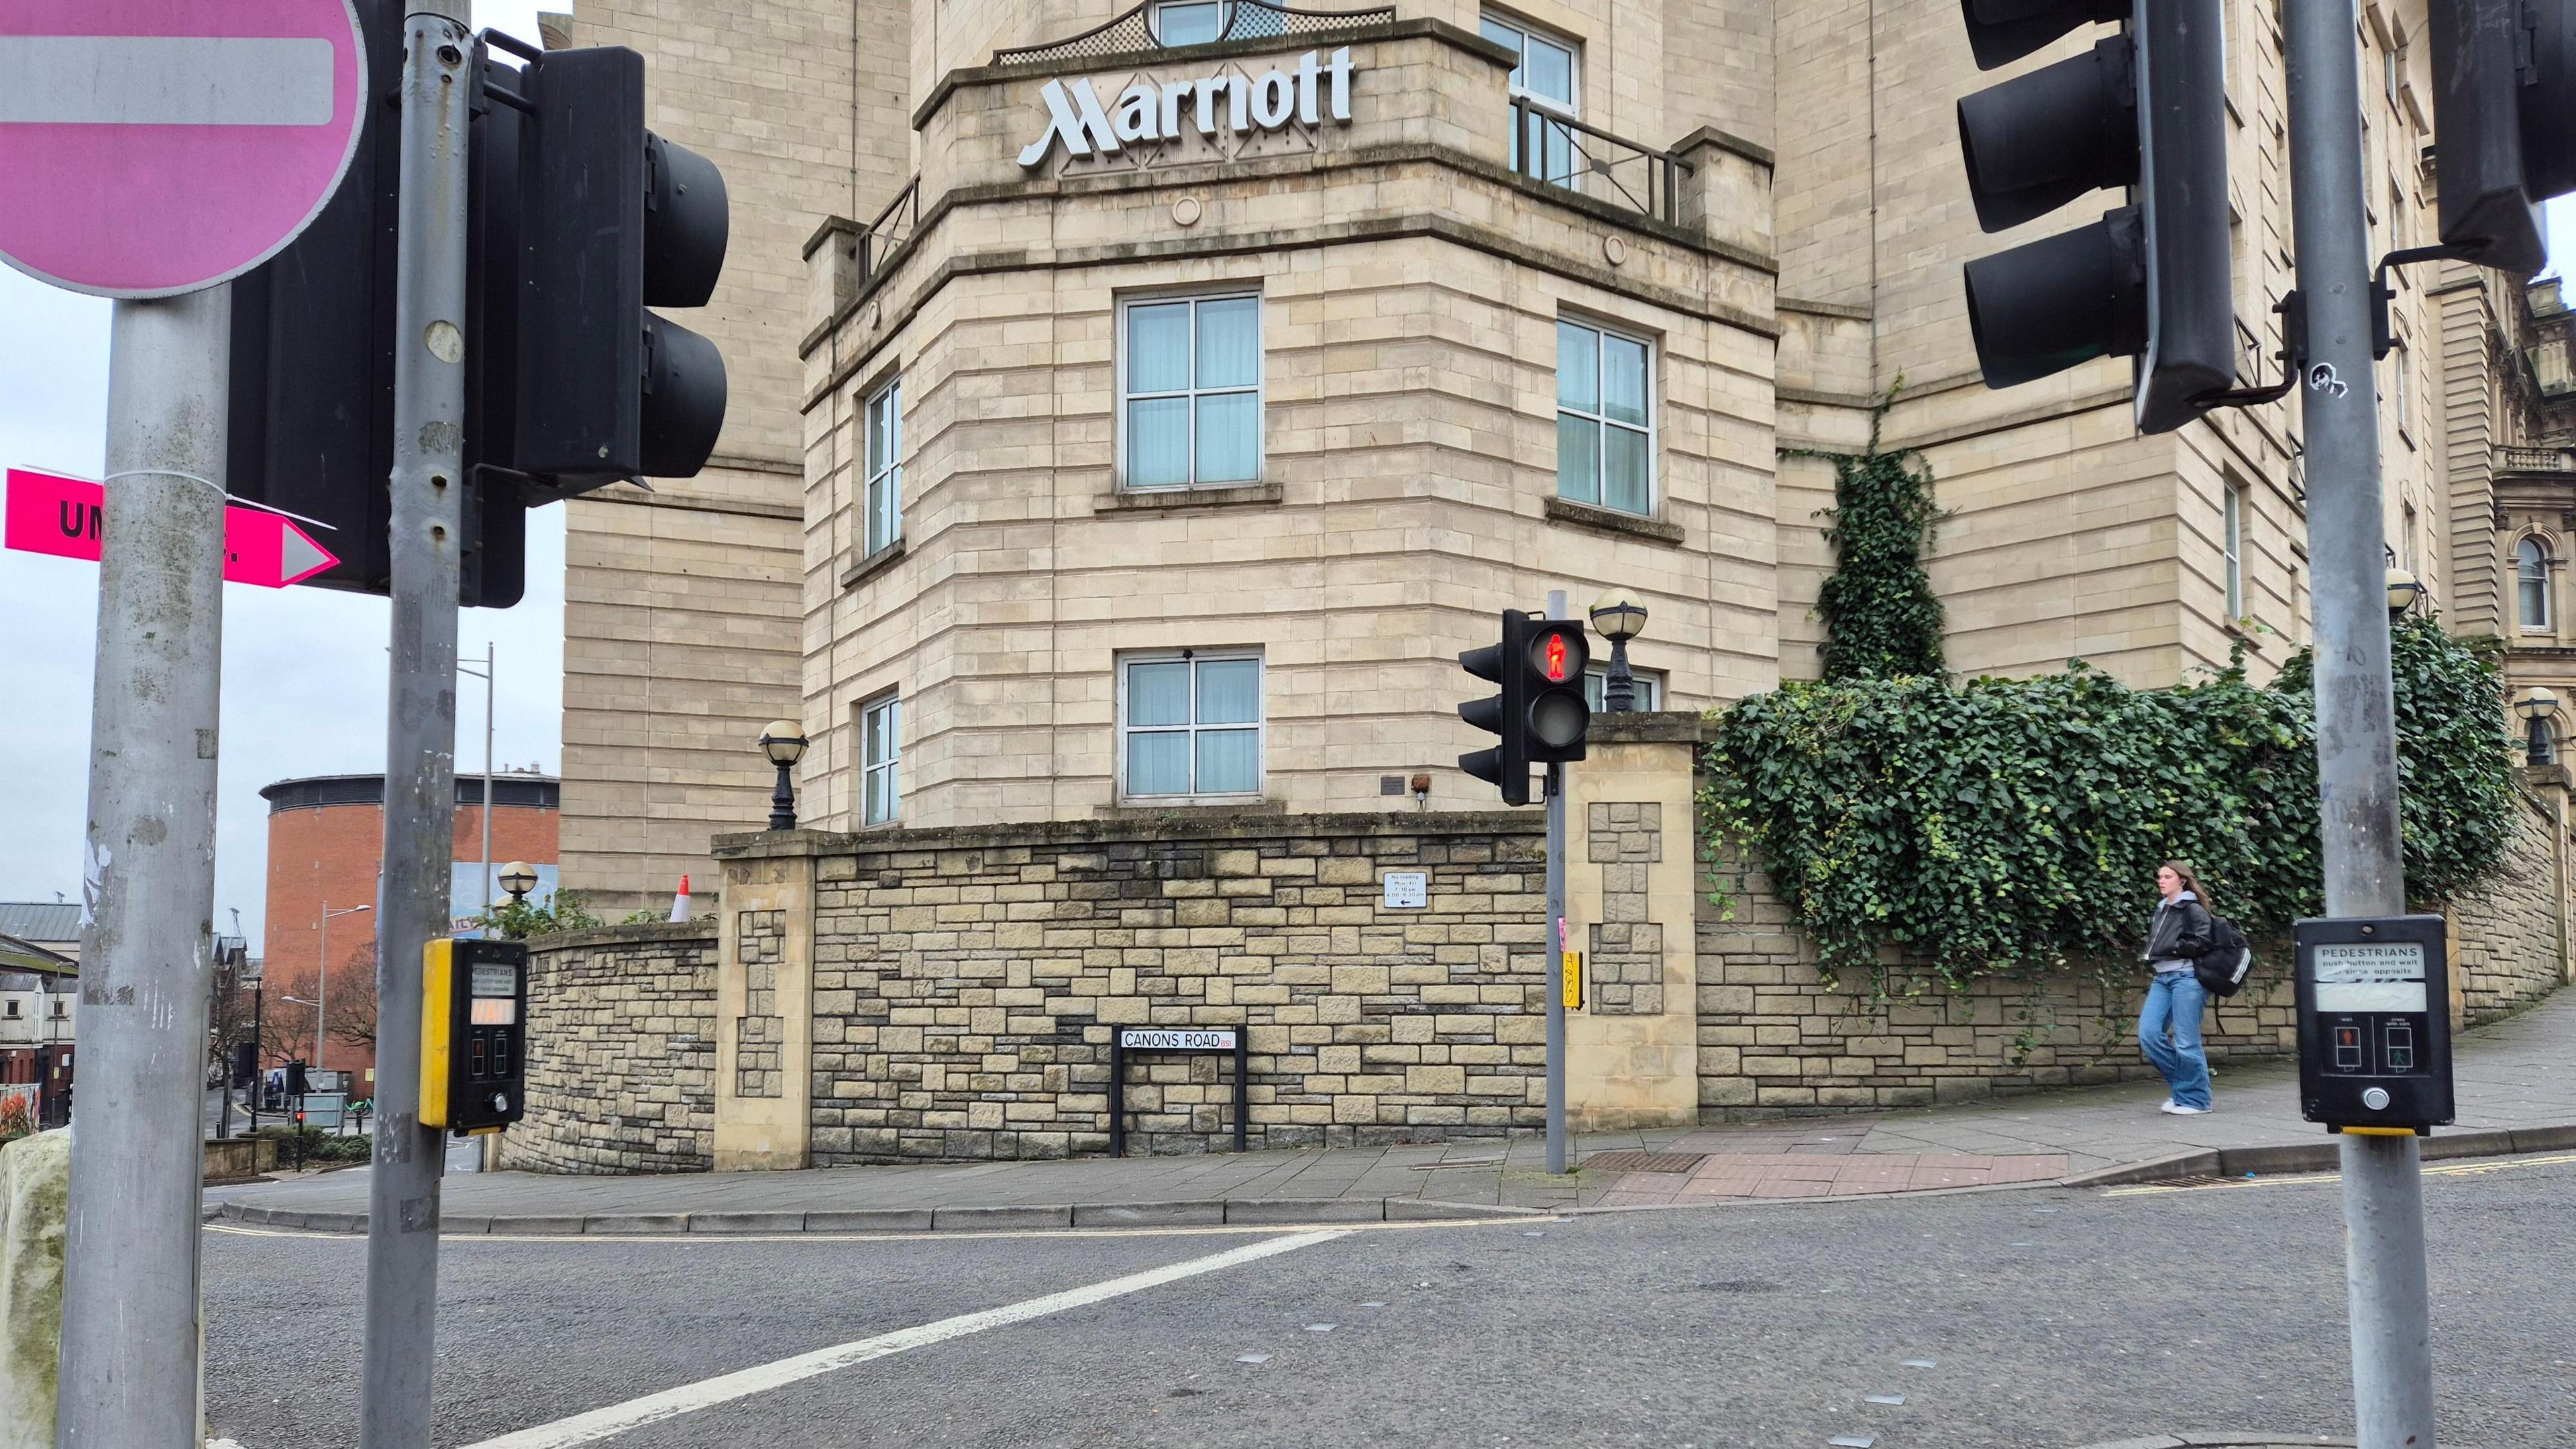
(1790, 1168)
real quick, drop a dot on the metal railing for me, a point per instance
(891, 229)
(1239, 20)
(1550, 146)
(2535, 460)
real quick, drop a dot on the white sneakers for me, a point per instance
(2178, 1110)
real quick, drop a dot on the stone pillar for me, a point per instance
(765, 1003)
(35, 1185)
(1727, 195)
(1632, 1051)
(2549, 785)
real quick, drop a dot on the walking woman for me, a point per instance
(2175, 997)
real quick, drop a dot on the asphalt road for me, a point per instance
(2052, 1319)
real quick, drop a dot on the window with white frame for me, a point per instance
(1190, 390)
(2531, 581)
(13, 1007)
(1649, 688)
(1605, 428)
(1547, 74)
(1189, 724)
(2232, 548)
(882, 509)
(880, 759)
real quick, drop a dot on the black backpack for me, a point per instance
(2222, 968)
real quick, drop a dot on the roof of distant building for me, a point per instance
(22, 958)
(510, 788)
(41, 921)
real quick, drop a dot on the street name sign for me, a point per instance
(154, 147)
(47, 513)
(1160, 1039)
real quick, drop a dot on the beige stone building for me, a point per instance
(1137, 410)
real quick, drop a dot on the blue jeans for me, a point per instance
(2174, 1003)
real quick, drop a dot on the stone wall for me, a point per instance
(621, 1051)
(1776, 1040)
(2509, 938)
(967, 987)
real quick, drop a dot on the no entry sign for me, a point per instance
(152, 147)
(48, 513)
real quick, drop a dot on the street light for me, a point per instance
(2403, 590)
(322, 974)
(2540, 741)
(784, 743)
(518, 878)
(1620, 618)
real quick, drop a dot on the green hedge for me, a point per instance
(2017, 822)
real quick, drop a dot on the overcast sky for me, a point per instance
(304, 669)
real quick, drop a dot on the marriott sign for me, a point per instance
(1237, 104)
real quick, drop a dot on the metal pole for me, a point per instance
(2384, 1263)
(129, 1354)
(322, 984)
(420, 740)
(258, 1045)
(491, 687)
(1555, 944)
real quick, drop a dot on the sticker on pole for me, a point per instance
(48, 513)
(153, 147)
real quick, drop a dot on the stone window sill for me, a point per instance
(1194, 809)
(1153, 499)
(874, 563)
(1610, 520)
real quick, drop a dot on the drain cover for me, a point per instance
(1644, 1161)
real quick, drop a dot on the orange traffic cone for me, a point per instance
(680, 902)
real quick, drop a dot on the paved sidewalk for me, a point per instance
(2510, 1075)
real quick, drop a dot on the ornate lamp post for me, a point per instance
(2536, 705)
(784, 742)
(1619, 618)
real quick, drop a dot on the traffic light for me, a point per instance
(578, 218)
(311, 414)
(609, 219)
(2504, 123)
(1540, 716)
(2143, 109)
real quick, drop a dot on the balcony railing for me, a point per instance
(1237, 20)
(2535, 460)
(1550, 146)
(891, 229)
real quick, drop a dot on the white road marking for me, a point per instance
(615, 1419)
(154, 80)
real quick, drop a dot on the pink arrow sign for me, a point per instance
(161, 146)
(47, 513)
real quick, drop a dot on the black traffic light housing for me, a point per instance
(1539, 716)
(587, 386)
(578, 219)
(2504, 123)
(2145, 109)
(311, 415)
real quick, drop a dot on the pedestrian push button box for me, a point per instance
(473, 1034)
(2374, 997)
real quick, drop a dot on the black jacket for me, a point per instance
(2180, 931)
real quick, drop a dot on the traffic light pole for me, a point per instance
(2356, 715)
(420, 741)
(130, 1334)
(1556, 945)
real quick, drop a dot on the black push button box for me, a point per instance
(2374, 999)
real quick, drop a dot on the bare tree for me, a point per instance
(352, 1008)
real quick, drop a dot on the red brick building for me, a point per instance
(325, 844)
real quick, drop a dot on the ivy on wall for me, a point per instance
(1882, 620)
(2017, 822)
